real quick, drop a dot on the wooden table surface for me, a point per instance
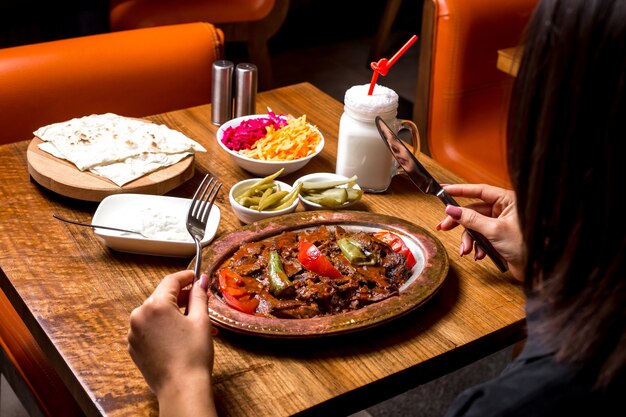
(76, 295)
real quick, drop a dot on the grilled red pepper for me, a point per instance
(315, 261)
(234, 292)
(397, 244)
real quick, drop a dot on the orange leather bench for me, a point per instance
(132, 73)
(462, 98)
(251, 21)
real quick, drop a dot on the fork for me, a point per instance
(198, 215)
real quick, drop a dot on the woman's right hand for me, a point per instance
(494, 216)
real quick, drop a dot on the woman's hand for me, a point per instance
(174, 352)
(495, 217)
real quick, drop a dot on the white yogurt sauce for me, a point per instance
(160, 224)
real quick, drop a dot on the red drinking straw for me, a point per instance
(382, 66)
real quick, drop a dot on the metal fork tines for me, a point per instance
(198, 215)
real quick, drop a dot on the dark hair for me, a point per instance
(567, 161)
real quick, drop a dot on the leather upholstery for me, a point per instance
(132, 73)
(251, 21)
(29, 362)
(127, 14)
(468, 95)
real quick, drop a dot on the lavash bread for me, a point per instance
(118, 148)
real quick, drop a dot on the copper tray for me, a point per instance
(429, 273)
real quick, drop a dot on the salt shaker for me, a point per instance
(222, 92)
(360, 150)
(245, 89)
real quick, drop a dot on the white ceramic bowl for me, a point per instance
(262, 167)
(323, 176)
(161, 218)
(247, 215)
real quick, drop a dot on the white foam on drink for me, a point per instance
(382, 100)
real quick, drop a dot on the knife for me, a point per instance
(428, 185)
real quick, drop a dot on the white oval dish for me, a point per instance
(323, 176)
(247, 215)
(161, 218)
(258, 166)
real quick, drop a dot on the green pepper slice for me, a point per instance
(352, 250)
(278, 280)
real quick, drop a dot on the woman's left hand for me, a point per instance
(173, 351)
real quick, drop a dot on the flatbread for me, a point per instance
(118, 148)
(137, 166)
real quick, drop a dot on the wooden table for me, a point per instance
(76, 295)
(509, 60)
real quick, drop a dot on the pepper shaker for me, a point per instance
(222, 92)
(245, 89)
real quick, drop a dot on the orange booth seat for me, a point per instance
(251, 21)
(25, 366)
(462, 98)
(132, 73)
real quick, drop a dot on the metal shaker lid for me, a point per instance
(246, 75)
(222, 93)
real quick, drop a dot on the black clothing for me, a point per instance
(535, 385)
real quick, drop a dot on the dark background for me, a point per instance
(308, 23)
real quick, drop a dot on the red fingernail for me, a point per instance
(214, 331)
(454, 212)
(462, 249)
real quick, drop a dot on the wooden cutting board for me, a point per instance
(64, 178)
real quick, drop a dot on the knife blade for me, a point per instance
(428, 185)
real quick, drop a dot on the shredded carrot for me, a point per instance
(295, 140)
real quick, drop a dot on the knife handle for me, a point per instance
(486, 245)
(481, 240)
